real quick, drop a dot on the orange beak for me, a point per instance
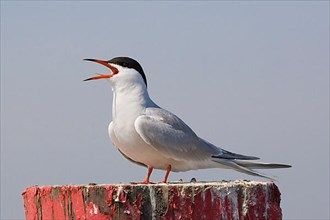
(113, 69)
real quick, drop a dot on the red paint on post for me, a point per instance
(58, 203)
(215, 200)
(77, 201)
(29, 196)
(46, 200)
(179, 207)
(274, 211)
(94, 213)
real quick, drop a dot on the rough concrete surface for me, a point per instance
(201, 200)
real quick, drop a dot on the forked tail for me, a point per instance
(248, 167)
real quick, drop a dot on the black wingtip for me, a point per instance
(284, 166)
(233, 156)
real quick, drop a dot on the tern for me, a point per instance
(151, 136)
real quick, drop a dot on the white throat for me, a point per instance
(130, 95)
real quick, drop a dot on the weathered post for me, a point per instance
(202, 200)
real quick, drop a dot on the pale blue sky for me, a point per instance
(252, 77)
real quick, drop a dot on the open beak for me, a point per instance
(113, 69)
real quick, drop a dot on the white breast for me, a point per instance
(129, 102)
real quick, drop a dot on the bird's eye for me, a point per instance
(124, 64)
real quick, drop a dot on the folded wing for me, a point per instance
(172, 137)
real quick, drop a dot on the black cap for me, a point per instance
(129, 63)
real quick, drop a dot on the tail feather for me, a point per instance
(248, 166)
(261, 165)
(230, 155)
(224, 154)
(233, 165)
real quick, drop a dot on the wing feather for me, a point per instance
(171, 136)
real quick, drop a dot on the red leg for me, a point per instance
(168, 170)
(146, 181)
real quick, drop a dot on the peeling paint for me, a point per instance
(266, 202)
(153, 201)
(119, 193)
(200, 200)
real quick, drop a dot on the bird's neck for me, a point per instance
(130, 101)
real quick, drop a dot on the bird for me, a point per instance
(148, 135)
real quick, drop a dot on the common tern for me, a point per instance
(149, 135)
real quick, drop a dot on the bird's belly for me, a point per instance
(129, 142)
(134, 147)
(141, 152)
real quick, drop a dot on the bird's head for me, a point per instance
(123, 69)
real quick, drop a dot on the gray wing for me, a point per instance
(172, 137)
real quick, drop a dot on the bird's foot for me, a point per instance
(168, 170)
(146, 181)
(143, 182)
(165, 182)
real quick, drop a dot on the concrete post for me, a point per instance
(202, 200)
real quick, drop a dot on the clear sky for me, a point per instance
(251, 77)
